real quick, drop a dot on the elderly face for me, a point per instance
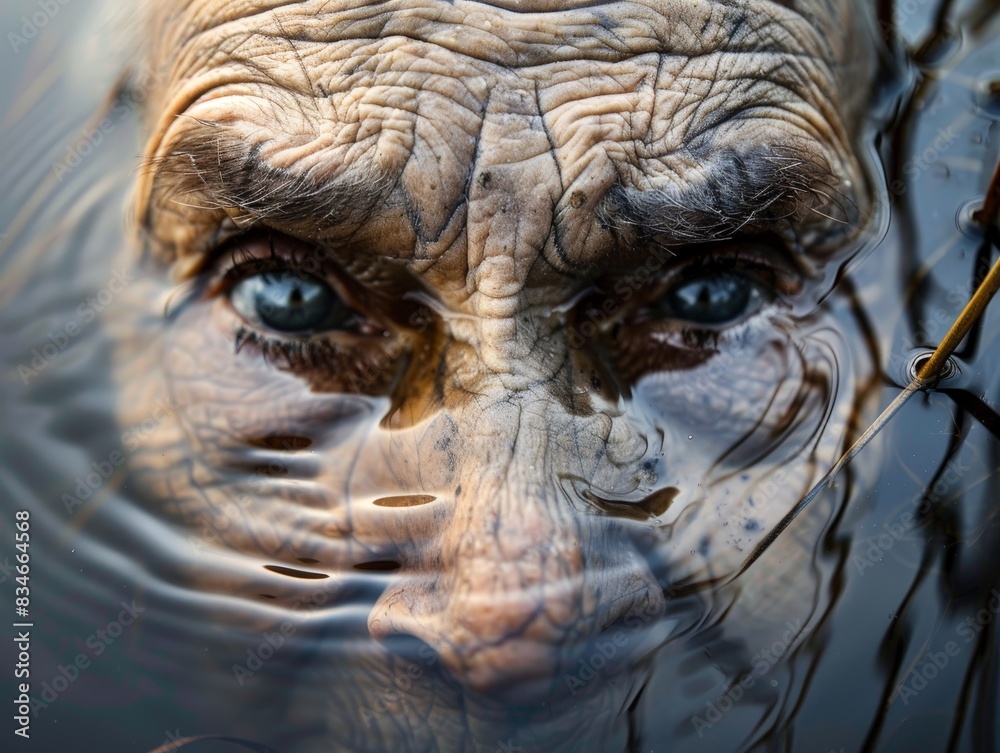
(515, 300)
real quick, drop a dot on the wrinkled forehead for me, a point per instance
(520, 34)
(728, 113)
(191, 37)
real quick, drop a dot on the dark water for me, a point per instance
(870, 625)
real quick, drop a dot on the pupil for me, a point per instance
(712, 299)
(288, 301)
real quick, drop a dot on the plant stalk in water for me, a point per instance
(927, 374)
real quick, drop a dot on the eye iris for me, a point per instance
(287, 301)
(712, 299)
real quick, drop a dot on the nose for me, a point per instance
(512, 645)
(517, 587)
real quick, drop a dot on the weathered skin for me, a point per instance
(482, 182)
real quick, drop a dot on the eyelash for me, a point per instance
(778, 279)
(292, 354)
(745, 263)
(241, 268)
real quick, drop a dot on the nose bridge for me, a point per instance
(518, 577)
(517, 452)
(514, 547)
(511, 526)
(510, 523)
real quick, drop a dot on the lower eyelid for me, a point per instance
(323, 363)
(725, 335)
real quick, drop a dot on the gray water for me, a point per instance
(888, 583)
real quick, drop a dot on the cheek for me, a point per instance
(233, 396)
(252, 459)
(746, 434)
(761, 397)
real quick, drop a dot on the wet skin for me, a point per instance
(518, 297)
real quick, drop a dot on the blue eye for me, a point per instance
(288, 301)
(712, 299)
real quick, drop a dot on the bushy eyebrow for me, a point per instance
(757, 189)
(208, 169)
(760, 189)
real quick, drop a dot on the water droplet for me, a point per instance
(965, 217)
(987, 92)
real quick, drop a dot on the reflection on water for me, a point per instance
(213, 557)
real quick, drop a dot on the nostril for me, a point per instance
(406, 500)
(378, 566)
